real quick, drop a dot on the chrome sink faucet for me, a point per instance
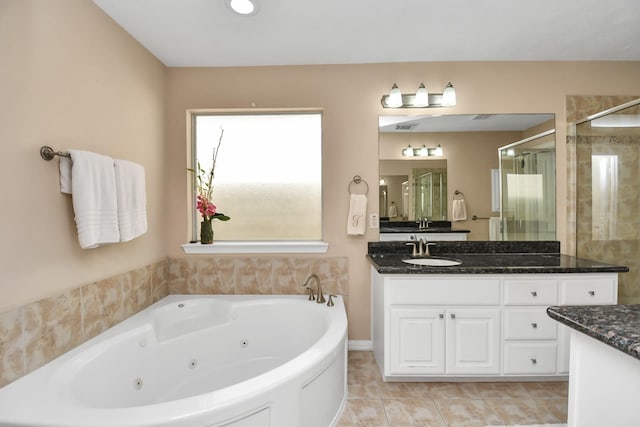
(320, 296)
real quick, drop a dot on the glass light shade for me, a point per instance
(242, 7)
(424, 151)
(422, 97)
(438, 151)
(395, 97)
(449, 96)
(407, 152)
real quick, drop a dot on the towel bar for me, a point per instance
(475, 217)
(48, 153)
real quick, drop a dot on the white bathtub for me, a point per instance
(236, 361)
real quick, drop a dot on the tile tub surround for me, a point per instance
(615, 325)
(484, 257)
(372, 402)
(279, 275)
(33, 335)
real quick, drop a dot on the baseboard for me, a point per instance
(360, 345)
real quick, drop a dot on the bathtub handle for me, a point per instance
(312, 297)
(330, 302)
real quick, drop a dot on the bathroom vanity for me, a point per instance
(604, 385)
(482, 318)
(391, 231)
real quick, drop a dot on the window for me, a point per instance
(268, 174)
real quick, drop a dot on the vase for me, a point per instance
(206, 232)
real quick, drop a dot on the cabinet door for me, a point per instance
(417, 341)
(473, 341)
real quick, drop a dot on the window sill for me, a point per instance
(271, 247)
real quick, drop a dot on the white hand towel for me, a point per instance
(356, 220)
(459, 210)
(132, 199)
(93, 183)
(494, 228)
(65, 175)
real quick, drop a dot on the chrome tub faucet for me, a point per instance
(320, 296)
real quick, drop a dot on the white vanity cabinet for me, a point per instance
(440, 326)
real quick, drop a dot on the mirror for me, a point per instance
(469, 145)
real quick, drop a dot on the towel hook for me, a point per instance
(458, 193)
(357, 180)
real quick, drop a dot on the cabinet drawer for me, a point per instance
(589, 291)
(441, 291)
(529, 324)
(530, 292)
(530, 358)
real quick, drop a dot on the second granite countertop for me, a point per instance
(615, 325)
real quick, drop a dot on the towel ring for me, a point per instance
(357, 180)
(458, 193)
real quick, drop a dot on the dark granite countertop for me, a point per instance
(413, 227)
(614, 325)
(486, 258)
(422, 230)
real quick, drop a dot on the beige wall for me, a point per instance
(350, 96)
(71, 78)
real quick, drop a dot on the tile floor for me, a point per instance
(374, 403)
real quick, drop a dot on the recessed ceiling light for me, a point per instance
(243, 7)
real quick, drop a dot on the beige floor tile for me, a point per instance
(412, 413)
(547, 390)
(446, 391)
(556, 410)
(495, 390)
(363, 413)
(412, 390)
(520, 411)
(467, 413)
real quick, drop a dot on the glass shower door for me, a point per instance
(608, 194)
(528, 205)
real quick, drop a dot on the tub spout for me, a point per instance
(319, 295)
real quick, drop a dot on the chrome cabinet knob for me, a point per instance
(534, 293)
(453, 316)
(534, 361)
(534, 325)
(441, 316)
(592, 293)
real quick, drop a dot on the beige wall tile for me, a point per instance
(102, 306)
(183, 276)
(254, 276)
(12, 356)
(136, 290)
(160, 279)
(51, 327)
(216, 276)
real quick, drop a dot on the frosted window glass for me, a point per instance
(268, 174)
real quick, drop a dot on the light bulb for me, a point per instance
(424, 151)
(395, 97)
(242, 7)
(422, 97)
(438, 151)
(408, 152)
(449, 96)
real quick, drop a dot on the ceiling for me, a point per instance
(206, 33)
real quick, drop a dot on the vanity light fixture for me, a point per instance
(423, 151)
(243, 7)
(421, 99)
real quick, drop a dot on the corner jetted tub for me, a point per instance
(201, 361)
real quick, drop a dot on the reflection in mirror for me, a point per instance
(411, 190)
(528, 170)
(465, 148)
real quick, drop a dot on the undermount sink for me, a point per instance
(432, 262)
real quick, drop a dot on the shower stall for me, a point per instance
(607, 153)
(528, 188)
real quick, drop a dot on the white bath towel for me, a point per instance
(65, 175)
(459, 210)
(356, 220)
(93, 184)
(131, 198)
(494, 228)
